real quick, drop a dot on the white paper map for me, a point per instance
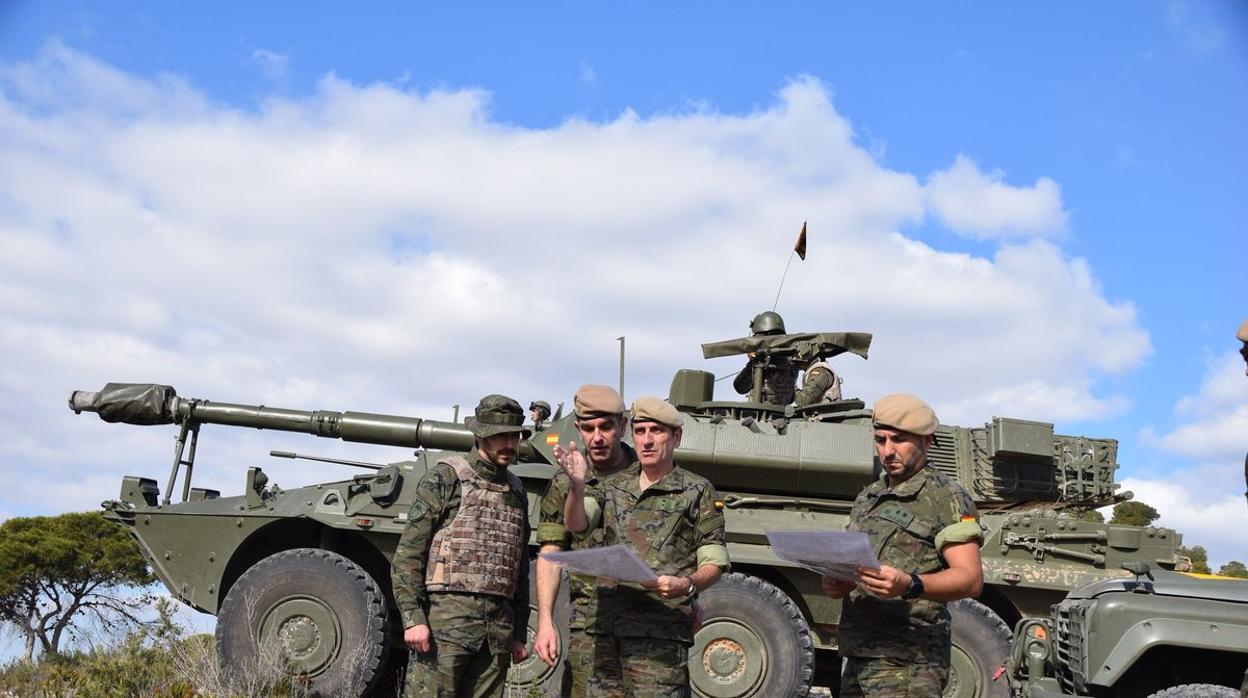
(614, 561)
(836, 554)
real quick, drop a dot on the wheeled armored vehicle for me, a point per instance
(307, 569)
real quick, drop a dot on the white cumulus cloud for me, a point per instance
(981, 205)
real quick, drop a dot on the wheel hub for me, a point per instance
(532, 671)
(306, 629)
(724, 660)
(299, 636)
(963, 675)
(730, 660)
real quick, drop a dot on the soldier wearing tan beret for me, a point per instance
(1242, 336)
(601, 422)
(894, 630)
(669, 517)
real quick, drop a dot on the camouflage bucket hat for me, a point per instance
(497, 414)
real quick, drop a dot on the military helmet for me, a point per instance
(767, 322)
(542, 407)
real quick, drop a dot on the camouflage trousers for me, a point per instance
(580, 661)
(451, 671)
(638, 667)
(887, 677)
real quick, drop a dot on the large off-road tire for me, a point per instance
(317, 612)
(753, 642)
(1197, 690)
(981, 645)
(534, 678)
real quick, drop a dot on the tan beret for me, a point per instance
(905, 412)
(1242, 334)
(593, 400)
(655, 409)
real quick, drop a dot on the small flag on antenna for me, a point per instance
(800, 247)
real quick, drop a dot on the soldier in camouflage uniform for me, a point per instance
(668, 515)
(894, 629)
(819, 384)
(460, 572)
(601, 422)
(1242, 336)
(779, 370)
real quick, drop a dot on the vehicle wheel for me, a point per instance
(754, 641)
(981, 645)
(305, 611)
(534, 678)
(1197, 690)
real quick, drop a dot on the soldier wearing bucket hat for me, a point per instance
(894, 630)
(669, 516)
(460, 571)
(601, 422)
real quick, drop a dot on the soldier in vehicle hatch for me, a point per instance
(539, 412)
(460, 570)
(895, 628)
(819, 384)
(779, 370)
(668, 516)
(599, 418)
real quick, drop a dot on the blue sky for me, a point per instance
(1061, 184)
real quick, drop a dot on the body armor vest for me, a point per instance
(480, 550)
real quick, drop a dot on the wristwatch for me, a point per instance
(916, 587)
(693, 588)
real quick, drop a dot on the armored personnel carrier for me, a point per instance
(307, 569)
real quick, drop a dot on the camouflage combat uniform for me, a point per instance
(581, 590)
(896, 647)
(820, 383)
(779, 379)
(640, 638)
(471, 633)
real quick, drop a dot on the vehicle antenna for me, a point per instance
(799, 250)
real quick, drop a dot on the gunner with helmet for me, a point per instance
(779, 372)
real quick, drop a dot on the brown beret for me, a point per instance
(905, 412)
(656, 409)
(1242, 334)
(597, 400)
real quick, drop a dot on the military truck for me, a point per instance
(1157, 633)
(307, 568)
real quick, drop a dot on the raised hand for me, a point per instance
(573, 463)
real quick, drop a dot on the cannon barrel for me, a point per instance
(148, 404)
